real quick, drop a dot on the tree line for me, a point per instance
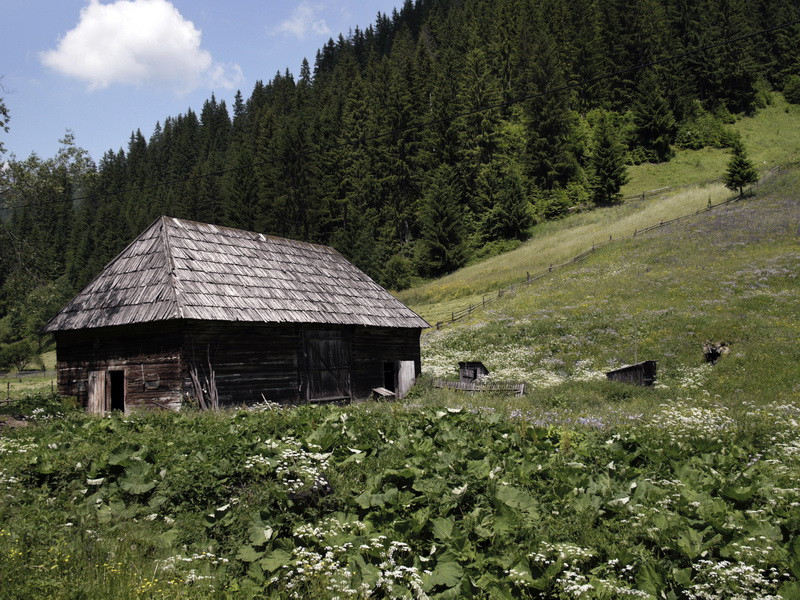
(385, 148)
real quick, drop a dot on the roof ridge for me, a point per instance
(175, 282)
(264, 237)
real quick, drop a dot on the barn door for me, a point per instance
(327, 366)
(98, 403)
(405, 377)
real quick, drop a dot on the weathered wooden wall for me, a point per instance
(643, 373)
(149, 354)
(248, 359)
(270, 359)
(372, 346)
(251, 362)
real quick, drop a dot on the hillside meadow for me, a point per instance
(771, 136)
(581, 489)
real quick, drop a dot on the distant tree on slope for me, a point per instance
(741, 171)
(609, 172)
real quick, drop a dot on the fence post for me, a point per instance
(551, 267)
(452, 316)
(484, 300)
(528, 273)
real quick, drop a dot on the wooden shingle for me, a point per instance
(180, 269)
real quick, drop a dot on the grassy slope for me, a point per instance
(727, 275)
(772, 137)
(18, 387)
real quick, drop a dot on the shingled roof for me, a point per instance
(181, 269)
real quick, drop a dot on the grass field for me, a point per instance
(771, 137)
(13, 385)
(728, 275)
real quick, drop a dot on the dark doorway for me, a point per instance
(116, 381)
(389, 376)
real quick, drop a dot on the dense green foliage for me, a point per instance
(358, 148)
(693, 500)
(581, 489)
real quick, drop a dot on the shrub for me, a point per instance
(39, 406)
(791, 89)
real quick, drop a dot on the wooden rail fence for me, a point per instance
(479, 386)
(457, 315)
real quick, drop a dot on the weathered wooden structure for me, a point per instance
(518, 389)
(273, 318)
(471, 371)
(643, 373)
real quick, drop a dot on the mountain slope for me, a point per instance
(728, 275)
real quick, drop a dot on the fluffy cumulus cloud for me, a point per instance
(141, 43)
(304, 20)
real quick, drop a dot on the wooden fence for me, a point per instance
(531, 277)
(479, 386)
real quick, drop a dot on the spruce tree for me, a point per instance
(441, 248)
(609, 172)
(741, 171)
(654, 121)
(501, 186)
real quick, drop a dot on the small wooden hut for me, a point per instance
(258, 317)
(469, 371)
(643, 373)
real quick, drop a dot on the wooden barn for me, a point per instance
(189, 305)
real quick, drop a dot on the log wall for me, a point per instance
(373, 346)
(251, 362)
(150, 356)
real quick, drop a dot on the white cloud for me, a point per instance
(304, 20)
(141, 43)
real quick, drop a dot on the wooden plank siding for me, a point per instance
(270, 359)
(374, 346)
(149, 354)
(251, 361)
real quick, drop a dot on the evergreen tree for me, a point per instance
(741, 171)
(551, 153)
(3, 119)
(502, 189)
(609, 172)
(654, 121)
(441, 246)
(241, 192)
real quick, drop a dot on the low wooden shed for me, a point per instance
(270, 318)
(642, 373)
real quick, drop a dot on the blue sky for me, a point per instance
(104, 68)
